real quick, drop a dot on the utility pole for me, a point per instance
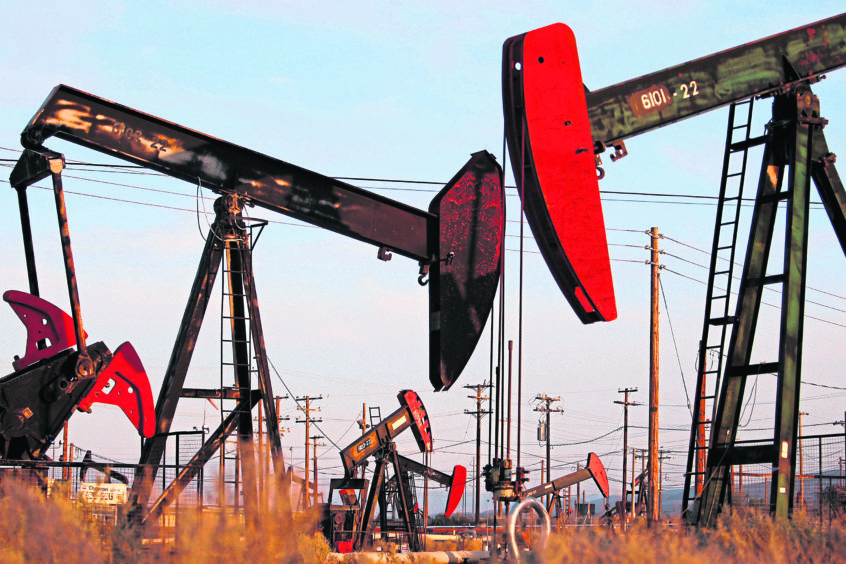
(478, 415)
(315, 444)
(545, 406)
(626, 403)
(308, 419)
(653, 512)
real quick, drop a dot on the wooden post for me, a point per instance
(652, 509)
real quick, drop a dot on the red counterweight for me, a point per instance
(124, 383)
(551, 147)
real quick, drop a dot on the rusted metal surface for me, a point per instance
(664, 97)
(226, 168)
(551, 149)
(35, 402)
(463, 281)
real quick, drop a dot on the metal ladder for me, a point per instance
(236, 357)
(718, 300)
(375, 415)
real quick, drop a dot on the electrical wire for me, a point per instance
(675, 345)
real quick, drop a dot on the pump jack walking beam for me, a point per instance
(661, 98)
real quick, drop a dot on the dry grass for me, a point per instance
(34, 528)
(746, 538)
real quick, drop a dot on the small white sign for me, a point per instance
(104, 494)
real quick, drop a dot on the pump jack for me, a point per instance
(593, 469)
(59, 373)
(498, 480)
(553, 124)
(378, 443)
(458, 243)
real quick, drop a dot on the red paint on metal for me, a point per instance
(49, 330)
(597, 471)
(456, 489)
(562, 197)
(128, 388)
(344, 547)
(421, 428)
(562, 148)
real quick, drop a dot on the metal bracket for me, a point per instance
(384, 254)
(620, 151)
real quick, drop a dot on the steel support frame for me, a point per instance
(796, 142)
(227, 240)
(195, 465)
(377, 494)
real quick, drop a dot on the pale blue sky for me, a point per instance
(388, 90)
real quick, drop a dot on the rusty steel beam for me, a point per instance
(227, 168)
(654, 100)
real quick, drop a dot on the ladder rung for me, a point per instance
(727, 320)
(721, 272)
(719, 297)
(728, 223)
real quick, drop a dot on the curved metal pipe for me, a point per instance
(514, 551)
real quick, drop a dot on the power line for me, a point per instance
(701, 199)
